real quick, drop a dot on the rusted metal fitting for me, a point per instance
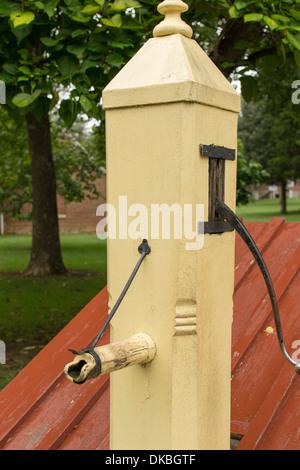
(90, 363)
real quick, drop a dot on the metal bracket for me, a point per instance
(215, 151)
(217, 227)
(217, 157)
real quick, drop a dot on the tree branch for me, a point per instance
(233, 32)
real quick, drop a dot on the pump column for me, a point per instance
(168, 102)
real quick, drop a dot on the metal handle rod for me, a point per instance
(225, 212)
(144, 249)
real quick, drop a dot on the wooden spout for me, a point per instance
(139, 349)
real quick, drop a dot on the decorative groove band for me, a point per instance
(185, 317)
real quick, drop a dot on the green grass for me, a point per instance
(80, 252)
(34, 310)
(266, 209)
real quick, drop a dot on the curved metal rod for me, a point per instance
(224, 211)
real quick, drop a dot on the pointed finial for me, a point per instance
(172, 23)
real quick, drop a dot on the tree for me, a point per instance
(249, 173)
(44, 46)
(49, 44)
(237, 33)
(15, 168)
(270, 130)
(78, 161)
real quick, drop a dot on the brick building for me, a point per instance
(74, 217)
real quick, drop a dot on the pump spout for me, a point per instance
(139, 349)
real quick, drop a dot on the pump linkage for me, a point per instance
(90, 361)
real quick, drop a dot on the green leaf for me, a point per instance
(20, 34)
(68, 111)
(95, 46)
(253, 17)
(78, 32)
(10, 68)
(295, 14)
(21, 100)
(68, 65)
(23, 78)
(41, 108)
(269, 63)
(233, 12)
(85, 103)
(281, 18)
(49, 42)
(132, 4)
(271, 23)
(90, 9)
(115, 21)
(50, 6)
(24, 70)
(87, 64)
(116, 60)
(227, 65)
(39, 5)
(240, 4)
(80, 18)
(5, 8)
(120, 45)
(297, 58)
(249, 88)
(21, 19)
(293, 39)
(123, 4)
(76, 49)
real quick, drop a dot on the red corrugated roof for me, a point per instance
(41, 409)
(265, 408)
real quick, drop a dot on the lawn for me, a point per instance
(266, 209)
(34, 310)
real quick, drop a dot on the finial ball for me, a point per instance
(172, 23)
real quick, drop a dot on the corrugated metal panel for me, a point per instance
(41, 409)
(265, 409)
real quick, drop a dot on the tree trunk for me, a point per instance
(283, 198)
(46, 258)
